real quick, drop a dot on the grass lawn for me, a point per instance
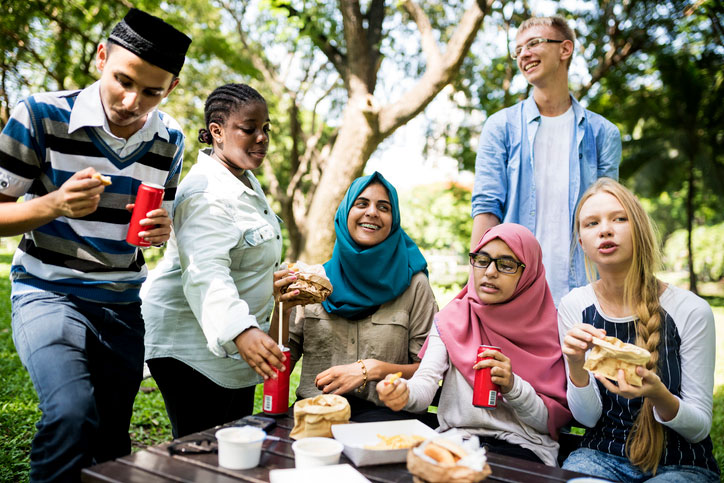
(149, 426)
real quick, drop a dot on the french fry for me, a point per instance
(393, 378)
(397, 441)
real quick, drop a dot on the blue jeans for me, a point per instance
(86, 362)
(617, 468)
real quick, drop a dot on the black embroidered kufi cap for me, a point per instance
(152, 39)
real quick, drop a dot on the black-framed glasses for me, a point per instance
(502, 264)
(533, 43)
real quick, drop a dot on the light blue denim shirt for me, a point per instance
(504, 176)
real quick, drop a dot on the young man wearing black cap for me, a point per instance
(76, 318)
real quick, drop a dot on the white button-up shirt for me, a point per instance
(216, 278)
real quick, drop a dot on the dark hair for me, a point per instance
(222, 102)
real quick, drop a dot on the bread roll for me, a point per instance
(439, 454)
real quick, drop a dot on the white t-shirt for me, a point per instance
(551, 150)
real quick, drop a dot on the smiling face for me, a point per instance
(605, 232)
(370, 219)
(130, 88)
(546, 61)
(242, 141)
(491, 286)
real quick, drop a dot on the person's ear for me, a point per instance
(101, 56)
(173, 85)
(566, 50)
(217, 132)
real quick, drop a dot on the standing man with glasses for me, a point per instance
(76, 310)
(536, 158)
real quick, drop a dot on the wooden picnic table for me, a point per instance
(156, 465)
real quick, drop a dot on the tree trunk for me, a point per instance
(365, 124)
(354, 145)
(690, 227)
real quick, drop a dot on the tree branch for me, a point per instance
(429, 45)
(355, 37)
(435, 77)
(375, 16)
(320, 39)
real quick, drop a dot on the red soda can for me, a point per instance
(485, 393)
(148, 198)
(276, 391)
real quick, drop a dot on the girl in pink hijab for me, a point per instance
(506, 303)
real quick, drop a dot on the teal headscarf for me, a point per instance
(363, 278)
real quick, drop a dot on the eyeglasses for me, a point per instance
(531, 44)
(504, 265)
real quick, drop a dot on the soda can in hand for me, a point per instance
(276, 391)
(148, 198)
(485, 393)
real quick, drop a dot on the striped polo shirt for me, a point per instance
(87, 257)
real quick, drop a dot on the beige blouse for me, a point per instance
(394, 334)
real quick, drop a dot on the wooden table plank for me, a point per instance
(200, 468)
(114, 472)
(538, 470)
(155, 465)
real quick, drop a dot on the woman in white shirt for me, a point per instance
(658, 431)
(207, 304)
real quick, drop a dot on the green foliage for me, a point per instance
(437, 218)
(18, 402)
(707, 248)
(149, 422)
(717, 426)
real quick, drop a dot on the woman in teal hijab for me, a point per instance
(364, 277)
(380, 311)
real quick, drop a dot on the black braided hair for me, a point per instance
(222, 102)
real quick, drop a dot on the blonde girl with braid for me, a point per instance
(660, 430)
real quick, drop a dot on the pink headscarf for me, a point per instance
(525, 327)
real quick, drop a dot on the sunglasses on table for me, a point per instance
(502, 264)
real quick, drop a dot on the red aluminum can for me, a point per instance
(485, 393)
(276, 391)
(149, 197)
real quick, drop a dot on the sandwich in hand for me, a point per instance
(611, 354)
(312, 282)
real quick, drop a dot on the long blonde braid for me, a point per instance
(645, 442)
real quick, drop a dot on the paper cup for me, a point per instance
(311, 452)
(240, 447)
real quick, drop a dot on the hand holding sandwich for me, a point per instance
(578, 340)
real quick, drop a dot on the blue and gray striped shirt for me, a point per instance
(87, 257)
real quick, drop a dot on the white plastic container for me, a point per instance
(311, 452)
(240, 447)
